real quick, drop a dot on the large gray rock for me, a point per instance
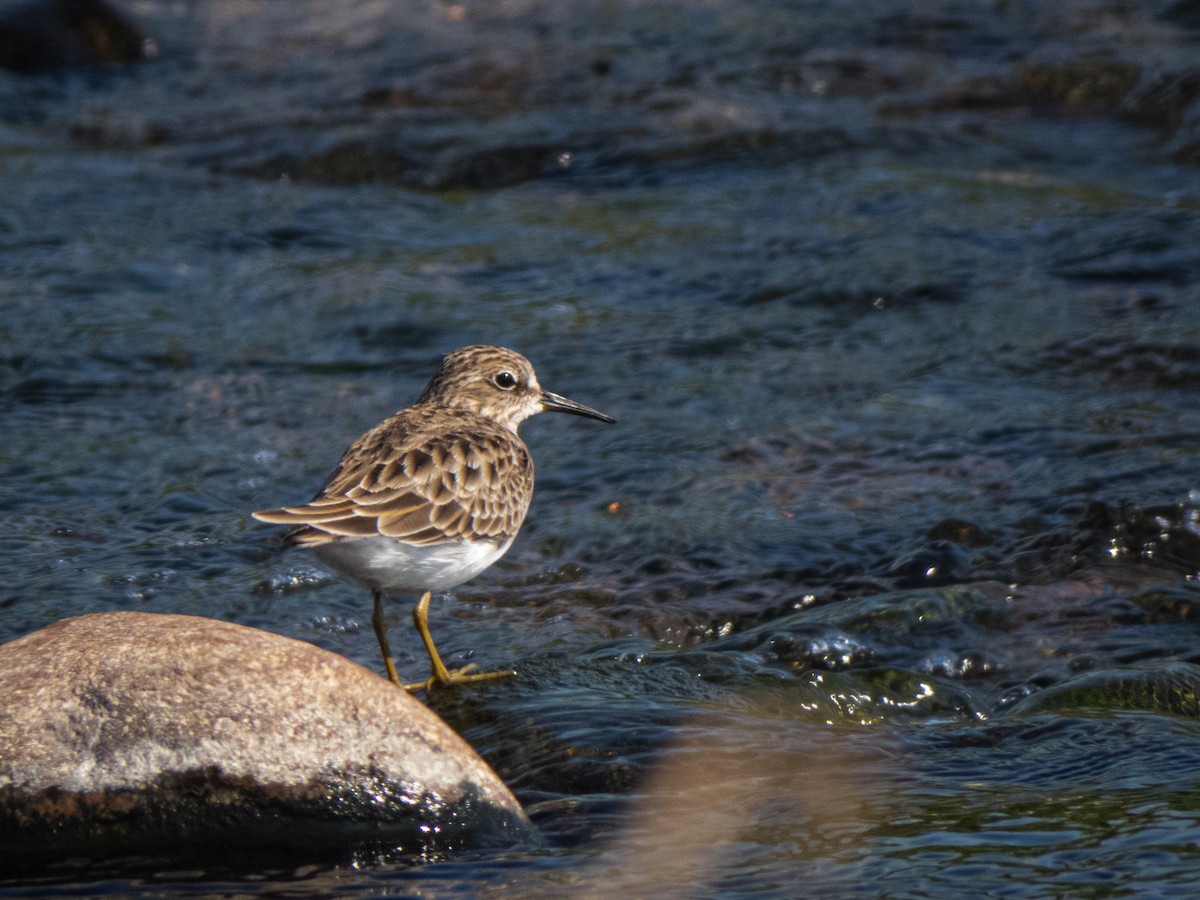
(130, 729)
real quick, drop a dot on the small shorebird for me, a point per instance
(433, 495)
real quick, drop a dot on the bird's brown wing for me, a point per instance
(421, 482)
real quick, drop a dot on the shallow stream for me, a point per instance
(886, 582)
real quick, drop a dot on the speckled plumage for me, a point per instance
(437, 492)
(426, 474)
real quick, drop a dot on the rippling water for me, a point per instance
(886, 582)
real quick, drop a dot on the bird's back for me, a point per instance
(425, 475)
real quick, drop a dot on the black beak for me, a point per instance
(555, 403)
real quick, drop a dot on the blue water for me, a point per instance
(907, 394)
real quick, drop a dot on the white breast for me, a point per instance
(393, 567)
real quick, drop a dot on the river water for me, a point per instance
(885, 583)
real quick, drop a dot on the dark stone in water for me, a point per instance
(126, 731)
(43, 35)
(937, 563)
(1171, 688)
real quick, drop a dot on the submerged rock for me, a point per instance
(126, 730)
(41, 35)
(1166, 687)
(937, 563)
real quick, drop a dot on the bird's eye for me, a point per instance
(505, 380)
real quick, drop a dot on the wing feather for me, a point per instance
(423, 476)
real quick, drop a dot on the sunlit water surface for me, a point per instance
(886, 581)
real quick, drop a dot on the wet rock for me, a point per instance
(127, 729)
(42, 35)
(1171, 688)
(937, 563)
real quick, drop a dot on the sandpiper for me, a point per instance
(433, 495)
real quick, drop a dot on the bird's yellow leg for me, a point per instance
(381, 635)
(421, 620)
(440, 676)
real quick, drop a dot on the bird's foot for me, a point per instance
(465, 675)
